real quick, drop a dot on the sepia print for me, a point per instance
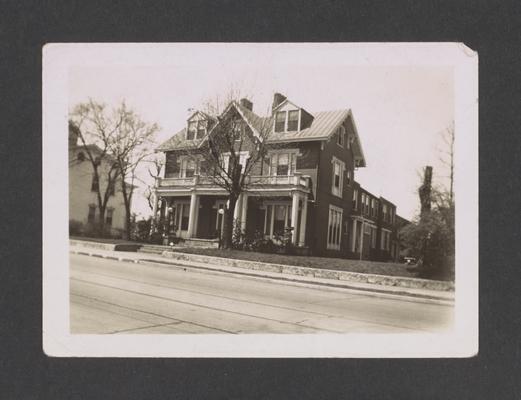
(266, 200)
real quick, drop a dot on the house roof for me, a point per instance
(324, 124)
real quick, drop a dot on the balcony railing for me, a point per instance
(286, 180)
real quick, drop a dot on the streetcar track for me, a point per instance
(244, 314)
(220, 296)
(322, 314)
(174, 320)
(204, 307)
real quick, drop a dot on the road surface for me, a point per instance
(108, 296)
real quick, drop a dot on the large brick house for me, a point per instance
(307, 181)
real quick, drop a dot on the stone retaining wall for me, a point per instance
(384, 280)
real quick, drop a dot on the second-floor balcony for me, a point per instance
(257, 182)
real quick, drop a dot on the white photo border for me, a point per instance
(57, 340)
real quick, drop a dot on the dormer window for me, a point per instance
(280, 121)
(293, 120)
(196, 130)
(201, 129)
(287, 121)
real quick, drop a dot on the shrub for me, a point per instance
(75, 227)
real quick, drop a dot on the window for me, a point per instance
(192, 129)
(385, 240)
(286, 121)
(293, 120)
(373, 207)
(280, 121)
(94, 187)
(341, 132)
(355, 199)
(367, 204)
(185, 216)
(108, 217)
(391, 215)
(338, 170)
(188, 167)
(283, 164)
(348, 177)
(276, 218)
(384, 212)
(334, 228)
(201, 129)
(92, 214)
(373, 237)
(362, 208)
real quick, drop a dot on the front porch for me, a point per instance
(199, 214)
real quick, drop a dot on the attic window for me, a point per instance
(280, 121)
(192, 129)
(196, 130)
(293, 120)
(286, 121)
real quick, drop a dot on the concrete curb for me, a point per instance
(346, 276)
(432, 297)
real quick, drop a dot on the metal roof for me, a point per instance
(323, 125)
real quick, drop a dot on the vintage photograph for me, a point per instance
(260, 200)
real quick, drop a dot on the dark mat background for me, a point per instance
(490, 27)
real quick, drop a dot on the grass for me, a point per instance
(341, 264)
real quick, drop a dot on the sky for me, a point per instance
(400, 110)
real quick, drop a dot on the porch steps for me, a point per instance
(153, 249)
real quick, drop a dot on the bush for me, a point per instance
(75, 227)
(431, 241)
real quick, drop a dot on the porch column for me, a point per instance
(153, 222)
(294, 216)
(353, 240)
(191, 217)
(303, 219)
(236, 213)
(244, 211)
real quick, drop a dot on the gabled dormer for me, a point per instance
(287, 116)
(197, 126)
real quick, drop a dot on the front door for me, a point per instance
(183, 216)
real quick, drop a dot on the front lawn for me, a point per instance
(368, 267)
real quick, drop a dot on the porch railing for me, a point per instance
(289, 180)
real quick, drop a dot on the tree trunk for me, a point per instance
(229, 222)
(101, 221)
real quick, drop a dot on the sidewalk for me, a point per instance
(413, 294)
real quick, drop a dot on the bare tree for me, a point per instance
(130, 145)
(120, 137)
(235, 144)
(447, 159)
(156, 163)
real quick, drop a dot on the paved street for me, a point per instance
(119, 297)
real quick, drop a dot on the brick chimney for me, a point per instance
(246, 104)
(277, 99)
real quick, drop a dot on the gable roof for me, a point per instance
(323, 126)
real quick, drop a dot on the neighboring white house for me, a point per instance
(83, 203)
